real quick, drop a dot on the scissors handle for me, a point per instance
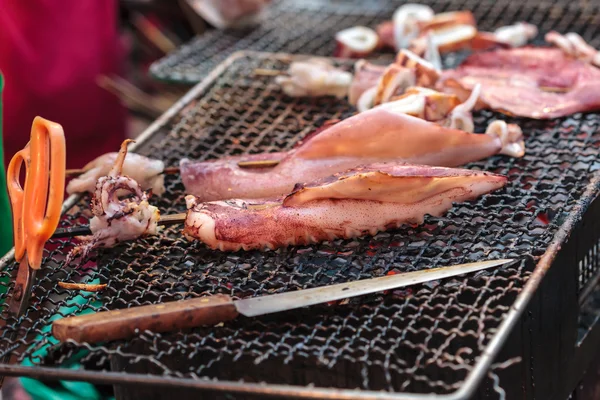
(36, 208)
(16, 195)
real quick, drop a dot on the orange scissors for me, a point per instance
(37, 207)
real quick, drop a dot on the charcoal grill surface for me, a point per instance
(436, 338)
(309, 27)
(426, 339)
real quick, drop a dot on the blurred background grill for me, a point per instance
(309, 27)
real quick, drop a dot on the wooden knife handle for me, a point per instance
(122, 324)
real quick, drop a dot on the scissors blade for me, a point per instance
(22, 289)
(301, 298)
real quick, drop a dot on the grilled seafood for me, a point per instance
(406, 20)
(394, 81)
(460, 116)
(415, 25)
(574, 45)
(366, 76)
(447, 110)
(383, 134)
(538, 83)
(446, 39)
(407, 70)
(360, 201)
(516, 35)
(315, 77)
(145, 171)
(356, 42)
(116, 219)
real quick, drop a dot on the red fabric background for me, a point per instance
(51, 53)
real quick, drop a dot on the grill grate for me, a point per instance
(422, 339)
(308, 27)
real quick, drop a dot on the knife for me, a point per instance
(210, 310)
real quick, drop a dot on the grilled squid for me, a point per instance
(406, 20)
(447, 39)
(422, 102)
(145, 171)
(538, 82)
(366, 76)
(315, 77)
(414, 21)
(361, 201)
(447, 19)
(446, 110)
(460, 117)
(118, 217)
(394, 81)
(408, 70)
(458, 30)
(574, 45)
(505, 37)
(385, 32)
(508, 133)
(383, 134)
(416, 27)
(516, 35)
(356, 42)
(427, 104)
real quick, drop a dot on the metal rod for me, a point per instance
(79, 171)
(71, 232)
(167, 220)
(288, 391)
(75, 171)
(175, 170)
(171, 171)
(258, 164)
(172, 219)
(268, 72)
(82, 286)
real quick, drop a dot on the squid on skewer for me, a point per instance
(361, 201)
(383, 134)
(538, 82)
(146, 171)
(315, 77)
(118, 218)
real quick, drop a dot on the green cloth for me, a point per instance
(65, 390)
(5, 215)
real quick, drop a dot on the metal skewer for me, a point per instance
(166, 220)
(175, 170)
(75, 171)
(268, 72)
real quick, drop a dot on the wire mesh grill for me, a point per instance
(309, 27)
(423, 339)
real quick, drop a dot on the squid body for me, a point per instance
(360, 201)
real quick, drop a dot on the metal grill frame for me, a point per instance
(588, 204)
(190, 63)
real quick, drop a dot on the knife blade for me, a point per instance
(209, 310)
